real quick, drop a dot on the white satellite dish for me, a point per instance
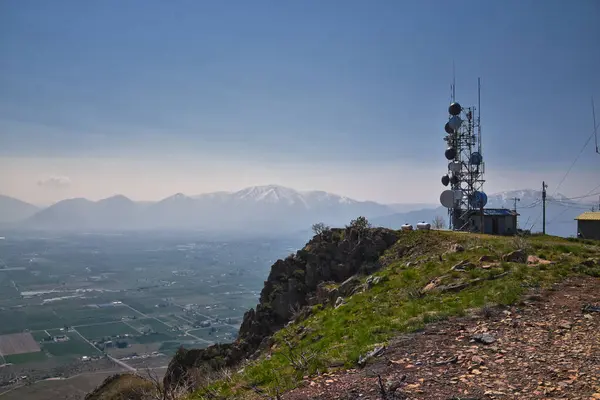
(447, 198)
(455, 166)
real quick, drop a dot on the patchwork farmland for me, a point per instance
(18, 343)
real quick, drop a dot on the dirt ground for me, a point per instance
(547, 347)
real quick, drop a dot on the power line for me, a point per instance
(576, 158)
(571, 167)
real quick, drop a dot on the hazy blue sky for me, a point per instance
(148, 98)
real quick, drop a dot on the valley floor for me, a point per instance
(547, 346)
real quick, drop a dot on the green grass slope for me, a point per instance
(122, 387)
(331, 338)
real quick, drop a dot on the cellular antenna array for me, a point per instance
(465, 163)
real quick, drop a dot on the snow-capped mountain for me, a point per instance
(273, 208)
(271, 194)
(266, 207)
(526, 198)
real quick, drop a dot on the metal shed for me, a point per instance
(496, 221)
(588, 225)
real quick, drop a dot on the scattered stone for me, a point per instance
(394, 384)
(588, 308)
(535, 260)
(517, 256)
(484, 338)
(463, 266)
(431, 285)
(450, 360)
(376, 352)
(339, 302)
(373, 281)
(487, 258)
(565, 325)
(456, 248)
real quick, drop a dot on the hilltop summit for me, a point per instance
(329, 313)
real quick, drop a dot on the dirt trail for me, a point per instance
(547, 347)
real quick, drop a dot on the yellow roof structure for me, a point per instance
(589, 216)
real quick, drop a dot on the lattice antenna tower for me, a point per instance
(465, 163)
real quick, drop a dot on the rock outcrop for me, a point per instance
(334, 256)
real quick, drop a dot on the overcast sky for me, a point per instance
(148, 98)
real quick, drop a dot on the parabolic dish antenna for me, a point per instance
(455, 166)
(478, 199)
(445, 180)
(448, 129)
(450, 153)
(447, 198)
(454, 109)
(455, 122)
(476, 158)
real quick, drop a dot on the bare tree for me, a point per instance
(438, 223)
(192, 380)
(319, 228)
(299, 358)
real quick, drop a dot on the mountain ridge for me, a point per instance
(13, 209)
(273, 207)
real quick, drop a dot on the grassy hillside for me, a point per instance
(426, 276)
(122, 387)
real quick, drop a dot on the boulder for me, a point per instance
(463, 266)
(486, 258)
(431, 285)
(517, 256)
(535, 260)
(349, 286)
(339, 302)
(484, 338)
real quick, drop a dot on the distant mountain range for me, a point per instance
(269, 208)
(258, 208)
(14, 210)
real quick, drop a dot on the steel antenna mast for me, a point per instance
(595, 126)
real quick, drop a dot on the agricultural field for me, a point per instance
(74, 347)
(112, 329)
(18, 343)
(25, 358)
(154, 287)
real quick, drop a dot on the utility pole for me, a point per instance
(544, 186)
(515, 199)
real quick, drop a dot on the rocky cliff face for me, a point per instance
(333, 256)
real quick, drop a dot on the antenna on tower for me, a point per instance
(595, 126)
(479, 113)
(453, 82)
(464, 196)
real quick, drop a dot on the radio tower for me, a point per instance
(465, 163)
